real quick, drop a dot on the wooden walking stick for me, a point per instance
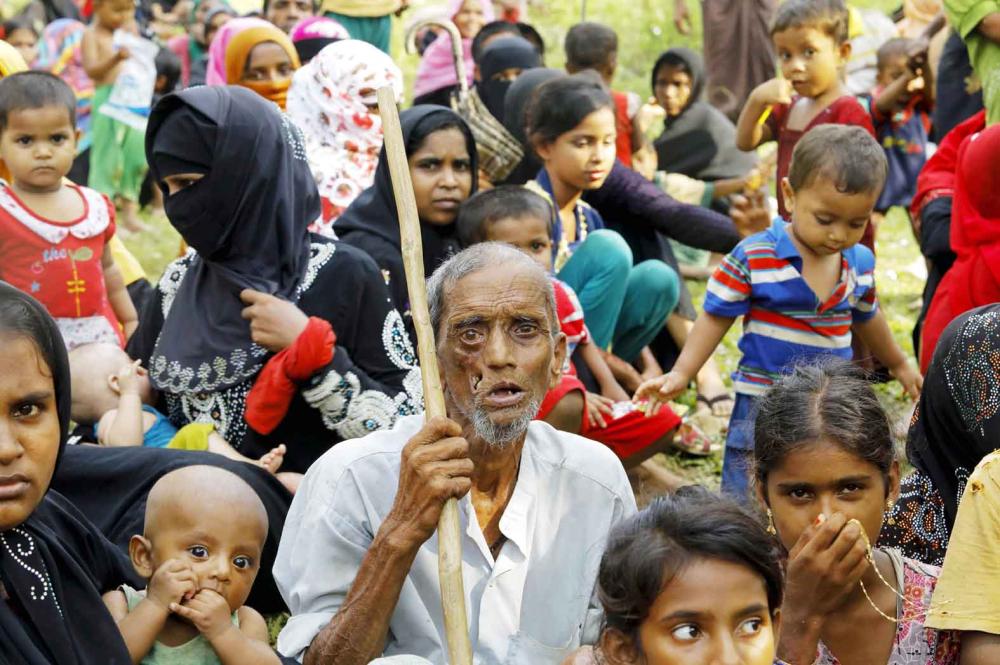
(449, 528)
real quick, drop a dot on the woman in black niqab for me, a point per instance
(248, 225)
(503, 55)
(55, 565)
(239, 190)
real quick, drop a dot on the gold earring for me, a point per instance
(770, 523)
(889, 507)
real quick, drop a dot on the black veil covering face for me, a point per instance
(55, 565)
(498, 56)
(247, 218)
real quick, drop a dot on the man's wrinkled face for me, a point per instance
(500, 351)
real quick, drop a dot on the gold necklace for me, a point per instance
(869, 554)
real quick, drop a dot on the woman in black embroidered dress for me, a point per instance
(238, 189)
(956, 425)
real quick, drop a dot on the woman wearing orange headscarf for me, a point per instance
(263, 59)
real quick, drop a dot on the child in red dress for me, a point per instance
(52, 232)
(811, 40)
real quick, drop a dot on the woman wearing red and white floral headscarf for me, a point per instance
(333, 102)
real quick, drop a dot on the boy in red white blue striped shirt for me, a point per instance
(801, 287)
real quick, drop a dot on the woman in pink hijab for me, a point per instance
(216, 74)
(436, 76)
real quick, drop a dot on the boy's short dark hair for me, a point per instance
(846, 154)
(168, 65)
(589, 45)
(492, 205)
(894, 48)
(34, 90)
(829, 16)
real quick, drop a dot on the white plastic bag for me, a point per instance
(132, 93)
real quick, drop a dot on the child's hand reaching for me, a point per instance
(661, 390)
(171, 583)
(908, 376)
(208, 611)
(598, 406)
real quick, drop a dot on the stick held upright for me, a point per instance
(449, 527)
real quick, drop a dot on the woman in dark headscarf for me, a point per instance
(956, 424)
(515, 107)
(443, 166)
(54, 564)
(501, 62)
(238, 189)
(697, 140)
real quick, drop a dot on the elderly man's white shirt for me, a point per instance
(535, 604)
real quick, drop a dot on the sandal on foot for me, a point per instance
(691, 440)
(718, 399)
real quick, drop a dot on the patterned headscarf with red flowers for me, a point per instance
(333, 102)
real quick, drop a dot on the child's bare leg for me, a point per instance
(290, 480)
(567, 414)
(715, 396)
(271, 461)
(651, 479)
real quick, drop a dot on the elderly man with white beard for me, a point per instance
(358, 561)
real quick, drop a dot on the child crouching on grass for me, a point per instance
(200, 554)
(518, 216)
(801, 287)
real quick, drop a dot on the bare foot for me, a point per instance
(651, 479)
(273, 460)
(713, 396)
